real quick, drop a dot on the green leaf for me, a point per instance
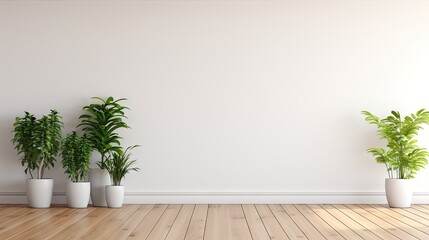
(38, 141)
(402, 158)
(100, 122)
(119, 164)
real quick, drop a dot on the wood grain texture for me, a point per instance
(89, 223)
(287, 223)
(324, 228)
(305, 226)
(131, 223)
(395, 222)
(54, 225)
(145, 227)
(109, 228)
(197, 225)
(377, 230)
(274, 229)
(216, 222)
(27, 222)
(164, 224)
(361, 230)
(383, 223)
(181, 224)
(337, 225)
(256, 226)
(408, 220)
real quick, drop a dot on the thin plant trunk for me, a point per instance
(40, 172)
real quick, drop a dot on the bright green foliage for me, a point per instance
(101, 122)
(76, 154)
(38, 141)
(403, 158)
(118, 164)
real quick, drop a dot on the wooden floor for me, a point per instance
(221, 222)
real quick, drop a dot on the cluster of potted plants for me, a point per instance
(402, 157)
(39, 142)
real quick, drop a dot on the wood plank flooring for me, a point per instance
(216, 222)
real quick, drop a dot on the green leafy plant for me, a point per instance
(119, 164)
(38, 141)
(76, 154)
(101, 122)
(403, 158)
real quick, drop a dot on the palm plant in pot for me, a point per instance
(38, 142)
(100, 122)
(119, 164)
(403, 158)
(76, 157)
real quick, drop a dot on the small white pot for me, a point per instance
(78, 194)
(99, 179)
(114, 196)
(399, 192)
(39, 192)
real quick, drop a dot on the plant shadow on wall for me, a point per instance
(38, 143)
(402, 156)
(8, 161)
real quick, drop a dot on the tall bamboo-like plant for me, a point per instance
(403, 158)
(101, 122)
(120, 164)
(38, 141)
(76, 154)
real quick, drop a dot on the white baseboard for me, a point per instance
(235, 198)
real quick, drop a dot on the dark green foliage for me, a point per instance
(23, 140)
(76, 154)
(38, 141)
(119, 164)
(402, 157)
(101, 122)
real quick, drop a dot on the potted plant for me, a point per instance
(403, 158)
(100, 122)
(76, 157)
(118, 165)
(38, 142)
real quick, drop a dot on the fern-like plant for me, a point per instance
(101, 122)
(403, 158)
(76, 154)
(38, 141)
(120, 164)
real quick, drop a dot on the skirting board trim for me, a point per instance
(235, 198)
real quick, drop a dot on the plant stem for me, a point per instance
(40, 174)
(103, 158)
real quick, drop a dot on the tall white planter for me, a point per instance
(114, 196)
(399, 192)
(39, 192)
(77, 194)
(99, 179)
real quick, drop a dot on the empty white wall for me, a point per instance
(232, 101)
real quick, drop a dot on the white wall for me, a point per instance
(232, 101)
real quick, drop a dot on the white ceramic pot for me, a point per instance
(114, 196)
(39, 192)
(99, 179)
(399, 192)
(78, 194)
